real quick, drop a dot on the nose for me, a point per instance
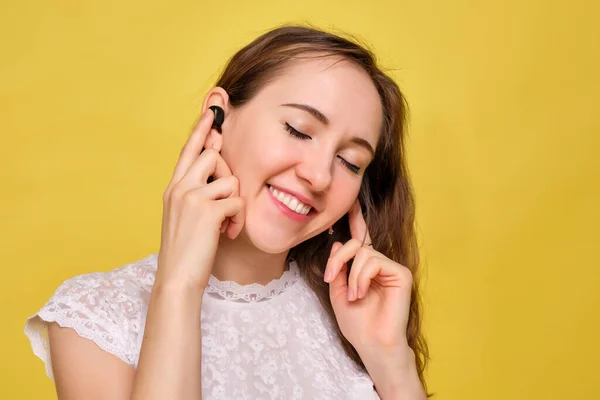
(316, 170)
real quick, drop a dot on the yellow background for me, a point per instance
(97, 98)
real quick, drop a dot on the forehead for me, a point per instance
(338, 88)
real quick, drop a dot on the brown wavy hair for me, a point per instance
(385, 195)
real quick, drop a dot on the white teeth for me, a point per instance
(280, 196)
(290, 201)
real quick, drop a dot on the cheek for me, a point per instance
(342, 194)
(257, 153)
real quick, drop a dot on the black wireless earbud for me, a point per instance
(219, 117)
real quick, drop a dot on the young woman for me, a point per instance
(288, 258)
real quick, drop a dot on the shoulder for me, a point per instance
(107, 308)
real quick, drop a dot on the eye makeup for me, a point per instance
(302, 136)
(294, 132)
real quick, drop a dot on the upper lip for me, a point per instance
(304, 199)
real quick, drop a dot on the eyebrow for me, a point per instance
(325, 121)
(313, 111)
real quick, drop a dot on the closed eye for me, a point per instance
(297, 134)
(294, 132)
(350, 166)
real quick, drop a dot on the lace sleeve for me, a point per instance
(106, 308)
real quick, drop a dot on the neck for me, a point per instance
(241, 262)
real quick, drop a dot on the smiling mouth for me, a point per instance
(291, 202)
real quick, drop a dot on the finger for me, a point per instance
(224, 226)
(234, 209)
(193, 147)
(209, 163)
(358, 226)
(228, 208)
(222, 189)
(370, 270)
(362, 255)
(387, 272)
(228, 186)
(334, 248)
(342, 255)
(339, 284)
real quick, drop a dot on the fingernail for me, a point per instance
(360, 293)
(350, 294)
(327, 276)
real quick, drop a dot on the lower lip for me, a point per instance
(286, 211)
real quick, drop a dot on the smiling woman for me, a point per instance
(299, 254)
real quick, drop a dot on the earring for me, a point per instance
(331, 230)
(219, 117)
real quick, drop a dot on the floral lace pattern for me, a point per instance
(258, 342)
(233, 291)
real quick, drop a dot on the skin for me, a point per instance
(254, 150)
(258, 149)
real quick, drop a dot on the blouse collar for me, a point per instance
(254, 292)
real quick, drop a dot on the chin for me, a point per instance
(270, 239)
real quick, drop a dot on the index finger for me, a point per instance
(358, 226)
(210, 163)
(193, 147)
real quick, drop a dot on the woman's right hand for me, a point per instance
(196, 212)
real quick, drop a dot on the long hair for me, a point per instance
(386, 194)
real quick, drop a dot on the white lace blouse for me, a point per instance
(258, 342)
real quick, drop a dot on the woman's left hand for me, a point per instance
(372, 306)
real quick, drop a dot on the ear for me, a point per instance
(216, 96)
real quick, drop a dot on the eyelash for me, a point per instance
(299, 135)
(295, 133)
